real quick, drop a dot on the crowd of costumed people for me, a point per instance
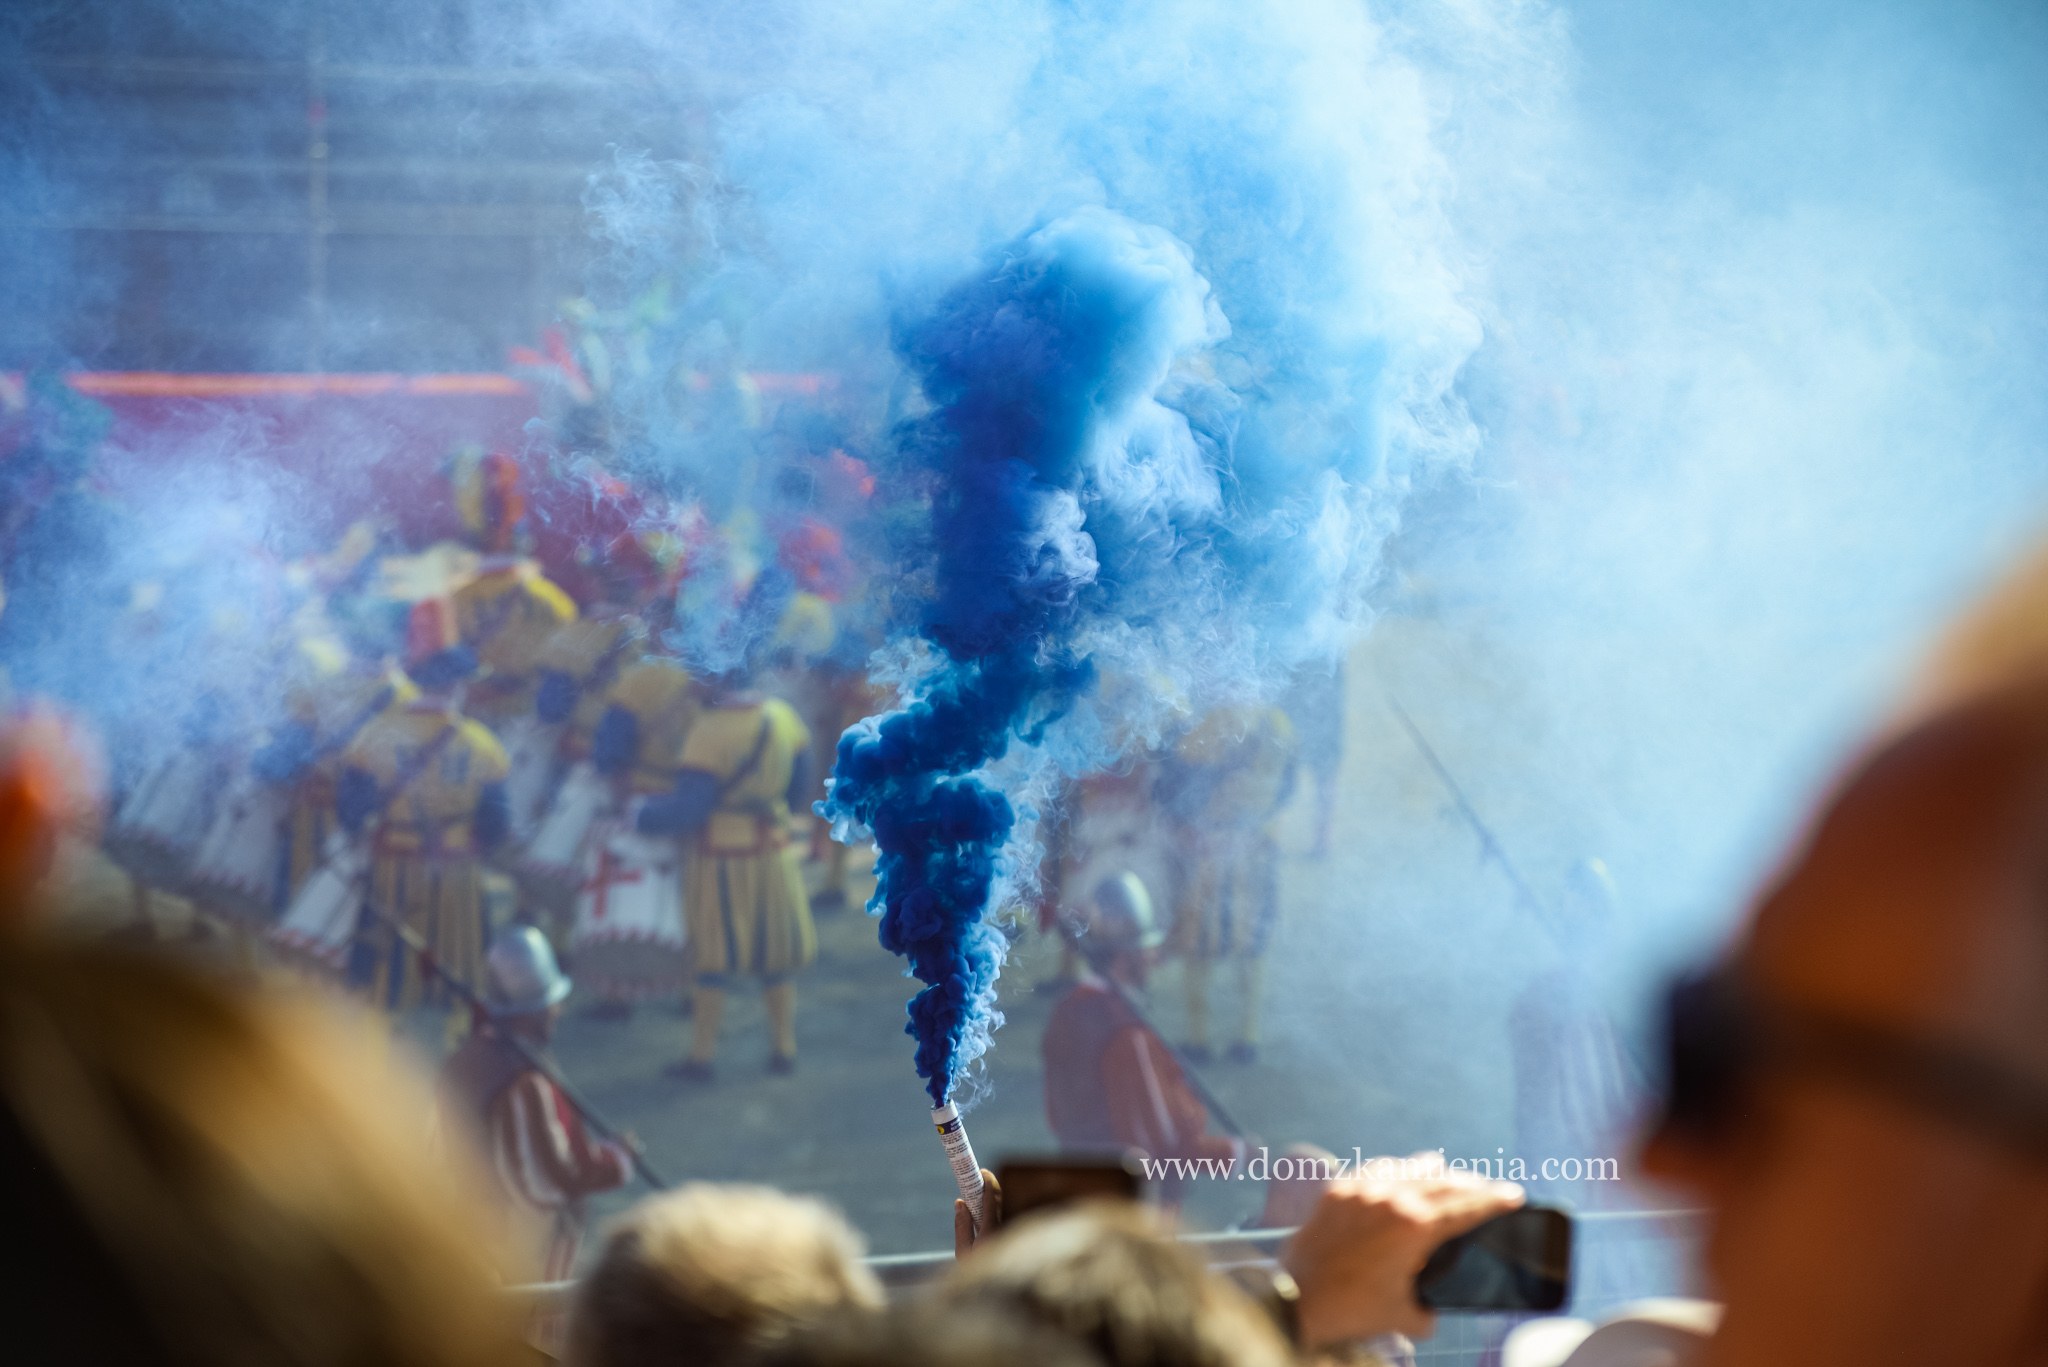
(562, 704)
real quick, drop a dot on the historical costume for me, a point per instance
(506, 612)
(545, 1161)
(157, 828)
(577, 667)
(425, 785)
(630, 932)
(1106, 823)
(1110, 1082)
(1222, 785)
(745, 758)
(325, 712)
(506, 615)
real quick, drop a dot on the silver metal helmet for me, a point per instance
(1120, 917)
(520, 973)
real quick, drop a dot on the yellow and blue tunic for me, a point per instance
(428, 786)
(743, 891)
(576, 668)
(507, 614)
(324, 717)
(646, 719)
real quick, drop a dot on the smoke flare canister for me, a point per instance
(960, 1153)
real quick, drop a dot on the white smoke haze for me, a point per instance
(1716, 327)
(1762, 381)
(866, 157)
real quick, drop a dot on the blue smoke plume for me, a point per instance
(1046, 373)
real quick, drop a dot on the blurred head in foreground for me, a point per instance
(932, 1336)
(1862, 1094)
(715, 1274)
(201, 1175)
(1110, 1275)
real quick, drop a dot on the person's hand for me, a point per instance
(964, 1233)
(1356, 1258)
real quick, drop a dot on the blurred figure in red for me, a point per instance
(1110, 1081)
(50, 786)
(546, 1162)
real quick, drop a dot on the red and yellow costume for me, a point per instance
(747, 906)
(427, 844)
(545, 1160)
(426, 785)
(646, 719)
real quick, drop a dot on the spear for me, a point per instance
(1489, 845)
(535, 1059)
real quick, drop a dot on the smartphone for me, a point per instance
(1518, 1261)
(1040, 1183)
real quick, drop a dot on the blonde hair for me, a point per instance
(247, 1176)
(1109, 1274)
(710, 1273)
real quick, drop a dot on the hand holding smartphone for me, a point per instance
(1355, 1257)
(1518, 1261)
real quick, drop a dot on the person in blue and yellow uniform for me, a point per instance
(638, 744)
(506, 613)
(1222, 786)
(426, 784)
(746, 758)
(582, 660)
(325, 710)
(508, 610)
(578, 665)
(803, 671)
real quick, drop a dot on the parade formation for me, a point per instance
(456, 768)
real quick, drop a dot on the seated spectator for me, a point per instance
(710, 1275)
(198, 1174)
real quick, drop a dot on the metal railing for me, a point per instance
(1460, 1336)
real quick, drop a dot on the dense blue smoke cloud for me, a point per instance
(1044, 373)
